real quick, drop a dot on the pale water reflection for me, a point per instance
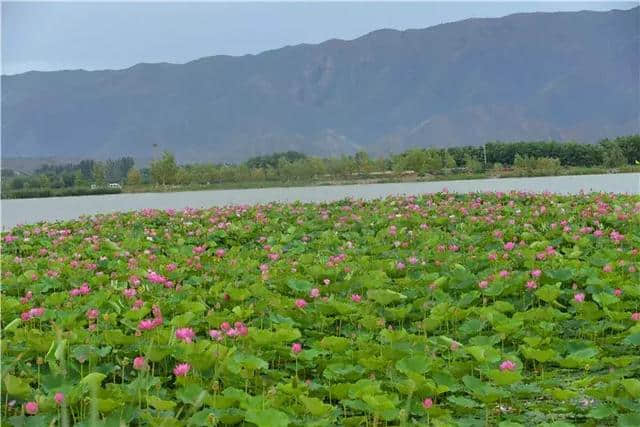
(62, 208)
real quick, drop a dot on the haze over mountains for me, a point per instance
(563, 76)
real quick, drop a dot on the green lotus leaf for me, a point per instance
(300, 286)
(17, 387)
(419, 364)
(632, 386)
(385, 296)
(335, 344)
(548, 293)
(315, 406)
(160, 404)
(504, 377)
(93, 379)
(192, 394)
(601, 412)
(267, 418)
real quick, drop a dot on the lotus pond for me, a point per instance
(471, 310)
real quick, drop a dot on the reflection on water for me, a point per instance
(61, 208)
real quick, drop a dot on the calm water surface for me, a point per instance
(22, 211)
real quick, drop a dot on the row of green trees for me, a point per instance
(71, 175)
(549, 156)
(525, 156)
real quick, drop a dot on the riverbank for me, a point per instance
(355, 179)
(382, 178)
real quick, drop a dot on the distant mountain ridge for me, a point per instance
(564, 75)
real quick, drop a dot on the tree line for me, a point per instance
(71, 175)
(526, 156)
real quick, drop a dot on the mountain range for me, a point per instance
(533, 76)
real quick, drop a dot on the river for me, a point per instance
(22, 211)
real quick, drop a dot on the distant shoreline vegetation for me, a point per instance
(493, 160)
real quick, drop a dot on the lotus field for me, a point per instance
(439, 309)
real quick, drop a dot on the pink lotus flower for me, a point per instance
(507, 365)
(607, 268)
(241, 328)
(220, 252)
(27, 297)
(198, 250)
(93, 314)
(536, 273)
(129, 293)
(59, 398)
(400, 265)
(509, 246)
(483, 284)
(300, 303)
(146, 324)
(314, 293)
(356, 298)
(503, 273)
(531, 284)
(185, 334)
(31, 408)
(413, 260)
(216, 335)
(427, 403)
(326, 281)
(154, 277)
(36, 312)
(617, 292)
(84, 289)
(579, 297)
(616, 237)
(635, 316)
(137, 305)
(139, 363)
(296, 348)
(181, 369)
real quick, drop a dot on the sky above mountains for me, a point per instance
(54, 36)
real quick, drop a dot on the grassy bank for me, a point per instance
(30, 193)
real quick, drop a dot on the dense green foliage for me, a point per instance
(521, 158)
(471, 310)
(535, 158)
(70, 175)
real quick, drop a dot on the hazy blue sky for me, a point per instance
(54, 36)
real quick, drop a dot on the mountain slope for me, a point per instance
(569, 75)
